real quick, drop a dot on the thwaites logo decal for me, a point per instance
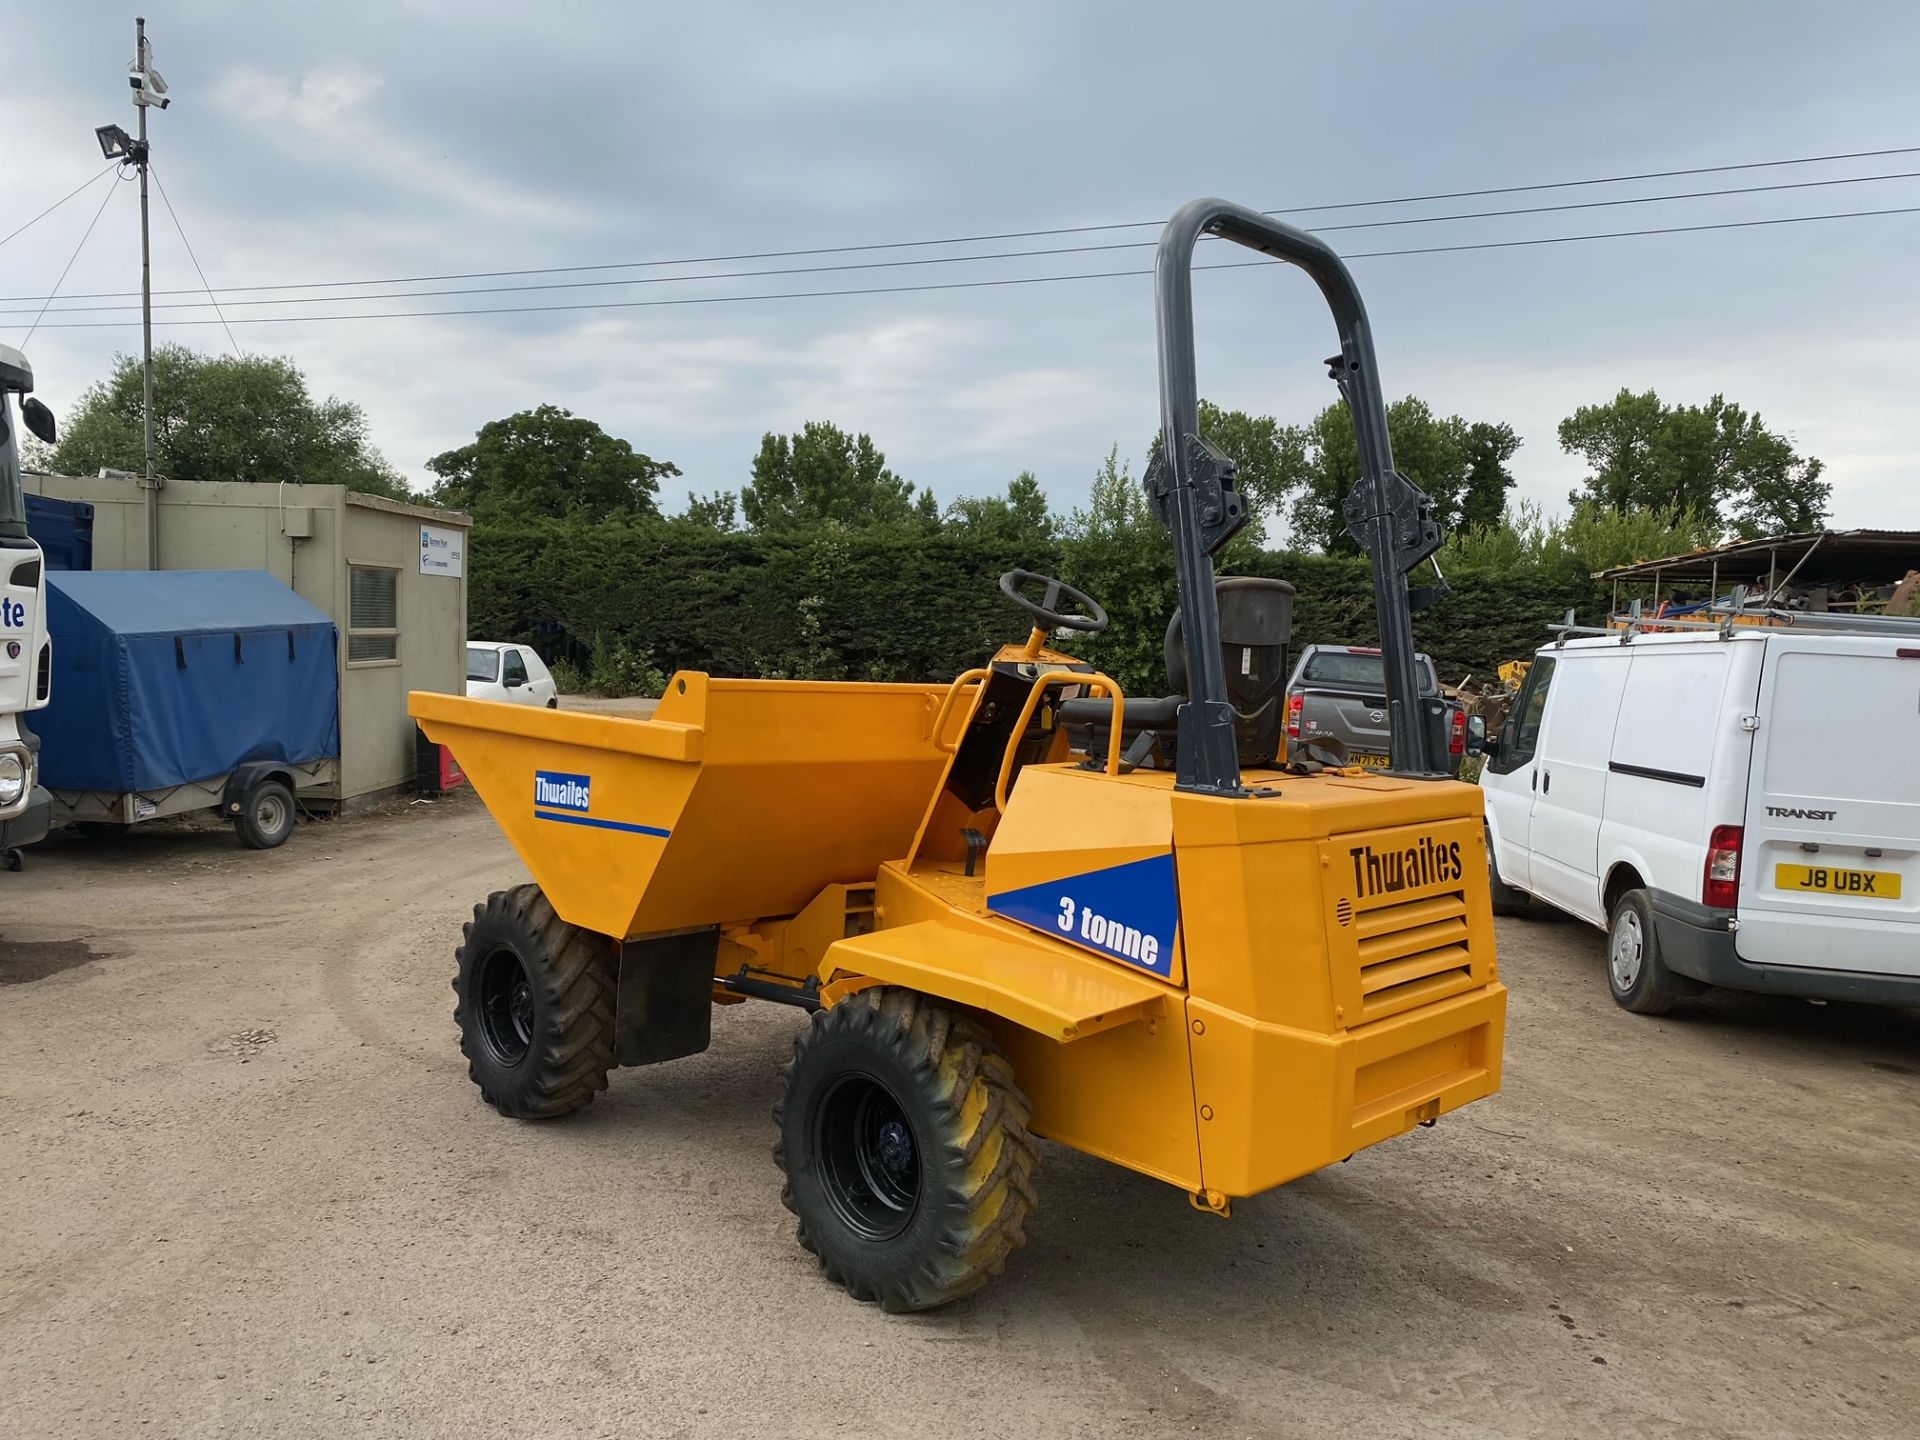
(1128, 912)
(567, 798)
(556, 790)
(1387, 872)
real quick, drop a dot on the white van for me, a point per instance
(1736, 806)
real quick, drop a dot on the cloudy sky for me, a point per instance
(365, 141)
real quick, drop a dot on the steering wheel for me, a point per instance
(1086, 616)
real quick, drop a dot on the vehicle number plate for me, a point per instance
(1825, 880)
(1371, 762)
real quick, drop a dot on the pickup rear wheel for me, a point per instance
(904, 1143)
(535, 1009)
(1636, 972)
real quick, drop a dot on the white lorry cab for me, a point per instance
(25, 657)
(1737, 805)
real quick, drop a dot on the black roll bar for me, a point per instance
(1386, 513)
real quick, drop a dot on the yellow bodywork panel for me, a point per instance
(986, 964)
(738, 800)
(1339, 944)
(1066, 839)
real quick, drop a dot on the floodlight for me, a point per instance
(115, 143)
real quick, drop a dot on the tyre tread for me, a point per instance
(574, 970)
(984, 1122)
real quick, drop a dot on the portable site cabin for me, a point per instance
(391, 577)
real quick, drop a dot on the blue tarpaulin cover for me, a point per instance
(163, 677)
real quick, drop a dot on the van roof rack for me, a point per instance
(1726, 616)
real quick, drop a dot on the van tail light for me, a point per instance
(1457, 734)
(1295, 704)
(1720, 887)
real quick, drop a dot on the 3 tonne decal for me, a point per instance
(1128, 912)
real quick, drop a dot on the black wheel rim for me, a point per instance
(506, 1007)
(869, 1158)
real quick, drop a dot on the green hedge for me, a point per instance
(908, 604)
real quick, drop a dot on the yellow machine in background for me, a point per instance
(1018, 905)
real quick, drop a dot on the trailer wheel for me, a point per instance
(266, 815)
(1637, 974)
(904, 1143)
(535, 1009)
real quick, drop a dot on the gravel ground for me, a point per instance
(248, 1190)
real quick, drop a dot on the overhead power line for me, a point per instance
(993, 284)
(53, 207)
(70, 309)
(69, 265)
(984, 238)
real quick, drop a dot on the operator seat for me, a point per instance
(1256, 636)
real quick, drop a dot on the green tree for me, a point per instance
(714, 512)
(1271, 456)
(1116, 550)
(1717, 460)
(1461, 464)
(824, 474)
(221, 418)
(1018, 516)
(547, 462)
(1591, 538)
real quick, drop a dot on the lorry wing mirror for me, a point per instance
(1478, 741)
(39, 419)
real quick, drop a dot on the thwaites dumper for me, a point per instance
(1019, 905)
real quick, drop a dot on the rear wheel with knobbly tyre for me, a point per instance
(536, 1002)
(904, 1142)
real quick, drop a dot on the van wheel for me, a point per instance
(1506, 899)
(1636, 973)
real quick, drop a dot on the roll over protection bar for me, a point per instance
(1191, 486)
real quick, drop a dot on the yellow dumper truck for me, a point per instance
(1019, 905)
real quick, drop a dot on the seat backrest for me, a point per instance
(1256, 639)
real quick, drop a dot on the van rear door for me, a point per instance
(1830, 869)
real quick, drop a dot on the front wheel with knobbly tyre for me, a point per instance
(266, 815)
(904, 1142)
(1637, 972)
(535, 1011)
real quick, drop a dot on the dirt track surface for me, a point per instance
(246, 1189)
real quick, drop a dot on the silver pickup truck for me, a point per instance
(1341, 690)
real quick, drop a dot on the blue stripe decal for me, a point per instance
(598, 824)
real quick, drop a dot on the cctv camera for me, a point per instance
(148, 87)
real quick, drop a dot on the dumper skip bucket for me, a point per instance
(739, 799)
